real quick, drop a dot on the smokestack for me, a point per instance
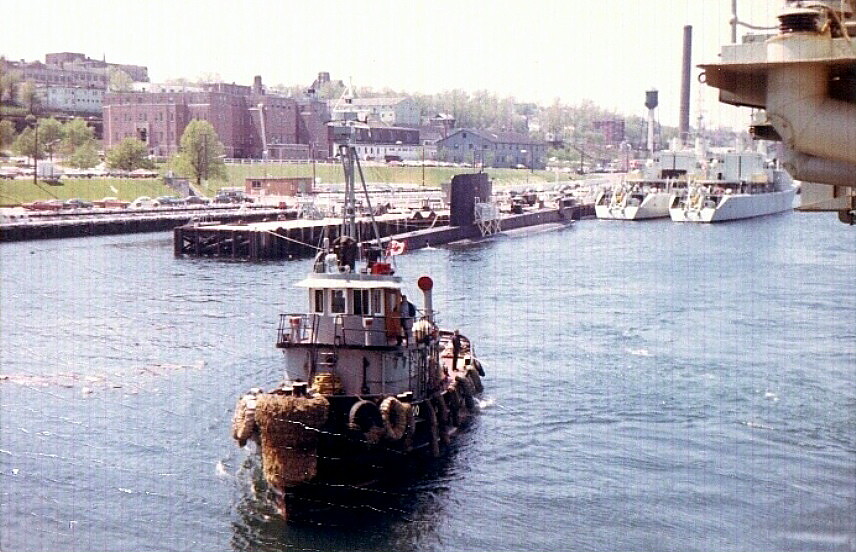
(684, 119)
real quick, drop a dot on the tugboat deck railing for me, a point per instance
(341, 330)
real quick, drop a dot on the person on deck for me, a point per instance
(456, 349)
(408, 313)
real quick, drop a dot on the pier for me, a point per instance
(301, 238)
(123, 221)
(288, 239)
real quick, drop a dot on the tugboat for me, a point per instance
(369, 379)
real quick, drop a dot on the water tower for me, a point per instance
(651, 102)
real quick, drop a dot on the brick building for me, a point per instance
(249, 122)
(612, 130)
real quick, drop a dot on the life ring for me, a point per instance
(365, 419)
(394, 416)
(244, 419)
(475, 380)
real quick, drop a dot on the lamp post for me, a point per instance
(33, 122)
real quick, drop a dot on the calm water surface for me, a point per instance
(650, 386)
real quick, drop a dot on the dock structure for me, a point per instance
(287, 239)
(97, 223)
(302, 238)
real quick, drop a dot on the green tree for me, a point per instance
(9, 81)
(128, 155)
(7, 134)
(85, 156)
(75, 133)
(119, 81)
(50, 134)
(29, 98)
(25, 144)
(201, 152)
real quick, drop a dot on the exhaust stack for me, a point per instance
(684, 118)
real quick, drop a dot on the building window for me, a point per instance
(257, 184)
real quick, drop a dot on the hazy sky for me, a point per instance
(609, 51)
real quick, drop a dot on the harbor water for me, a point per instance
(650, 386)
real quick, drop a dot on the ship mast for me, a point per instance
(351, 165)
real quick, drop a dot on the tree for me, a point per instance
(7, 133)
(128, 155)
(85, 157)
(119, 81)
(201, 152)
(75, 133)
(9, 81)
(50, 134)
(25, 144)
(29, 98)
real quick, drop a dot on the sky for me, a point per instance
(606, 51)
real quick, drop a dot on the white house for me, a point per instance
(392, 111)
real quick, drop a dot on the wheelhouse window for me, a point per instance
(377, 304)
(361, 301)
(337, 301)
(317, 300)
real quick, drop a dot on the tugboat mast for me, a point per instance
(351, 165)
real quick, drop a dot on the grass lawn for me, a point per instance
(433, 176)
(13, 192)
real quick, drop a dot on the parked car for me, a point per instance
(169, 201)
(144, 202)
(196, 200)
(77, 203)
(44, 205)
(111, 203)
(232, 197)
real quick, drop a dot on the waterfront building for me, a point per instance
(492, 149)
(249, 122)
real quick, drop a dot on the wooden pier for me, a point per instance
(286, 239)
(302, 238)
(98, 223)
